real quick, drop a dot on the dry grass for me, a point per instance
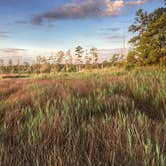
(96, 119)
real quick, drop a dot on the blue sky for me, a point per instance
(37, 26)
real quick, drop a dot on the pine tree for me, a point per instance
(150, 43)
(78, 53)
(94, 54)
(141, 23)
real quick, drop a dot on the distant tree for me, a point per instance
(1, 65)
(104, 63)
(27, 67)
(60, 56)
(10, 62)
(88, 59)
(1, 62)
(78, 53)
(26, 64)
(68, 60)
(94, 54)
(52, 58)
(115, 58)
(39, 59)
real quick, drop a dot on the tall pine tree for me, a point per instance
(150, 42)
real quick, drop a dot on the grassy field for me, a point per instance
(98, 117)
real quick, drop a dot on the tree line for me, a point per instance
(63, 61)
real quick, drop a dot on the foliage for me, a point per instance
(150, 42)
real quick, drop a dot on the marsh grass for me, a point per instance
(107, 118)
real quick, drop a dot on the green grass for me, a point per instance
(99, 117)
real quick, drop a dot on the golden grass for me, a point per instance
(97, 118)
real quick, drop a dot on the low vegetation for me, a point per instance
(102, 117)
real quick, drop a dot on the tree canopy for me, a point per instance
(149, 44)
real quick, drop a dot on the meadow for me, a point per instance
(97, 117)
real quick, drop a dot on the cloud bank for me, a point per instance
(77, 9)
(73, 10)
(13, 51)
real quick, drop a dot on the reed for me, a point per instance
(116, 118)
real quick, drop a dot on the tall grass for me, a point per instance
(110, 118)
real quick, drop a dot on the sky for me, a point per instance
(33, 27)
